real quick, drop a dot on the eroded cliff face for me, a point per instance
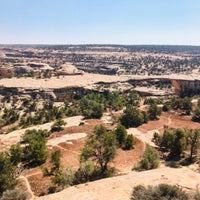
(176, 86)
(180, 86)
(187, 87)
(58, 94)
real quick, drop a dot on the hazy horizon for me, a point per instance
(87, 44)
(110, 22)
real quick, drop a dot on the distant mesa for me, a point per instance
(40, 66)
(69, 69)
(31, 66)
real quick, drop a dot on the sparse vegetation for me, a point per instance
(160, 192)
(64, 177)
(16, 194)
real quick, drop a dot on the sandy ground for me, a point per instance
(64, 81)
(65, 138)
(13, 137)
(144, 137)
(27, 185)
(120, 188)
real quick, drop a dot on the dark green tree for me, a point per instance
(193, 139)
(7, 175)
(145, 117)
(55, 159)
(35, 135)
(16, 153)
(124, 140)
(154, 112)
(121, 134)
(57, 125)
(196, 115)
(100, 129)
(187, 105)
(10, 116)
(174, 141)
(129, 143)
(36, 150)
(93, 110)
(167, 140)
(101, 148)
(132, 117)
(166, 107)
(179, 143)
(150, 159)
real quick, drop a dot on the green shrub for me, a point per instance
(64, 178)
(154, 111)
(196, 115)
(85, 173)
(157, 139)
(55, 160)
(173, 164)
(36, 150)
(57, 125)
(129, 143)
(133, 117)
(7, 176)
(166, 108)
(121, 134)
(160, 192)
(16, 154)
(150, 159)
(81, 124)
(91, 107)
(179, 144)
(15, 194)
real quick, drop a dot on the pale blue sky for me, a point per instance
(100, 22)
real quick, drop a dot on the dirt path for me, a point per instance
(69, 150)
(145, 135)
(146, 138)
(27, 186)
(65, 138)
(169, 121)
